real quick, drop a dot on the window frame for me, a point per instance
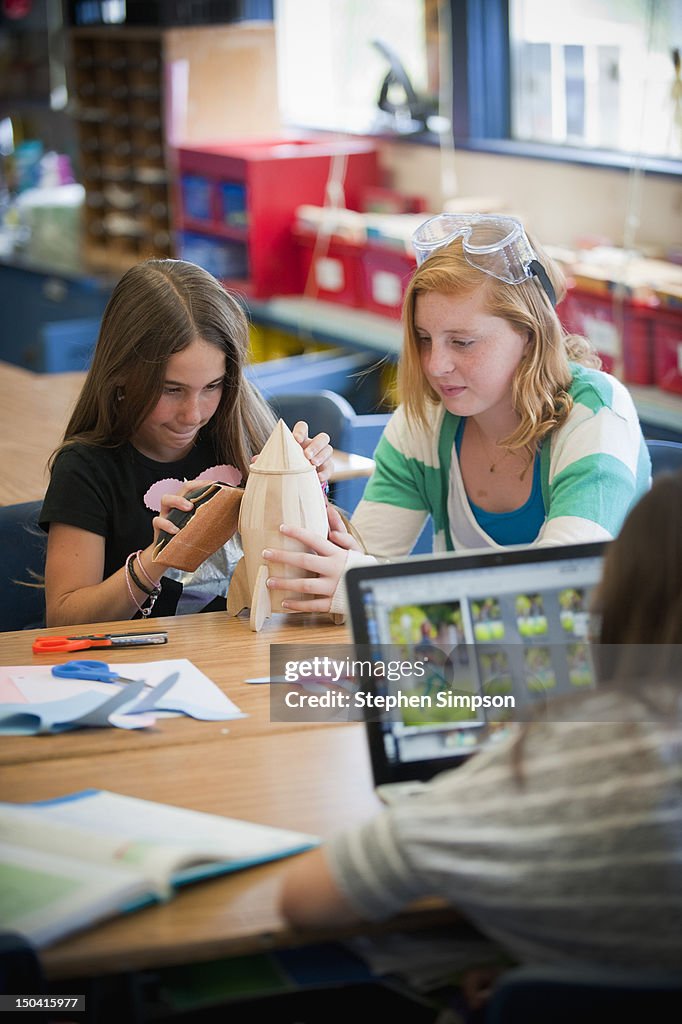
(481, 77)
(481, 111)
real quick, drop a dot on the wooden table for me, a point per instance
(224, 648)
(308, 777)
(314, 781)
(34, 411)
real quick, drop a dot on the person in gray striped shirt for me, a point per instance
(507, 432)
(563, 842)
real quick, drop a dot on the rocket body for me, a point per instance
(282, 487)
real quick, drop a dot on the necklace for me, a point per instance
(483, 443)
(493, 463)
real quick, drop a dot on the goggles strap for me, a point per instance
(541, 274)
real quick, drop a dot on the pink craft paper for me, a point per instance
(223, 475)
(152, 498)
(219, 474)
(10, 692)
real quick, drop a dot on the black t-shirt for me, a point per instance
(102, 490)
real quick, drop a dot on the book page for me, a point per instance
(156, 840)
(89, 841)
(44, 896)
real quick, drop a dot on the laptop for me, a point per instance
(508, 628)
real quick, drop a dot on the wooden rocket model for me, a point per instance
(282, 487)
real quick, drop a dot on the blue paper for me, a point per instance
(84, 709)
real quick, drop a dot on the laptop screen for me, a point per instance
(507, 627)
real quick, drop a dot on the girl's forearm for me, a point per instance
(117, 597)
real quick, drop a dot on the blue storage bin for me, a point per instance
(196, 197)
(68, 344)
(233, 198)
(221, 257)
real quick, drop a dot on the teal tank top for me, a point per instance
(521, 525)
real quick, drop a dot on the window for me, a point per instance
(330, 70)
(589, 80)
(597, 73)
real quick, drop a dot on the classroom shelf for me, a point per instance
(659, 411)
(37, 301)
(330, 322)
(235, 204)
(116, 76)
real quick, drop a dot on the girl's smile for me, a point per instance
(191, 394)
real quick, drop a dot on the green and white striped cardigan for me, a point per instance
(594, 468)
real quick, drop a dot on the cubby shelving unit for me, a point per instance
(117, 85)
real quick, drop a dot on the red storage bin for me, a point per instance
(668, 349)
(385, 276)
(335, 275)
(610, 323)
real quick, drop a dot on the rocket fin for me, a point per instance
(238, 594)
(261, 605)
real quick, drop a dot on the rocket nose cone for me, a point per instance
(281, 453)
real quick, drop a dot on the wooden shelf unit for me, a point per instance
(117, 83)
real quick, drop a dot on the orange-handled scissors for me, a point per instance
(53, 644)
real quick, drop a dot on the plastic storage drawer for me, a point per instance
(385, 277)
(221, 257)
(610, 323)
(330, 269)
(667, 325)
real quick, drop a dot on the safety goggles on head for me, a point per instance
(494, 244)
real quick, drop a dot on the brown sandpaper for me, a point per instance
(211, 526)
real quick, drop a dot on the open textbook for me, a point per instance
(67, 863)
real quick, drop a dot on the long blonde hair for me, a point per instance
(543, 376)
(158, 308)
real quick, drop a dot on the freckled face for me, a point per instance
(467, 355)
(191, 394)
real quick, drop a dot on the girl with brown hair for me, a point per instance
(165, 403)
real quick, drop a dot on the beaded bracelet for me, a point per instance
(152, 596)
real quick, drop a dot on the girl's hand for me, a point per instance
(338, 533)
(328, 561)
(171, 501)
(317, 449)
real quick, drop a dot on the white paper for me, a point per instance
(24, 687)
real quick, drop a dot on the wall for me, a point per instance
(221, 81)
(560, 202)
